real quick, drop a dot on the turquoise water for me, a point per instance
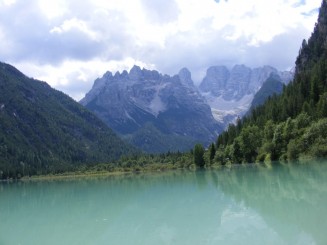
(284, 204)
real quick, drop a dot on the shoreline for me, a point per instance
(120, 172)
(139, 170)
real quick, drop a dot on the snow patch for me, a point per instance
(227, 112)
(157, 105)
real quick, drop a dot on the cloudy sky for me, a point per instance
(69, 43)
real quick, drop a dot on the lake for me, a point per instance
(251, 204)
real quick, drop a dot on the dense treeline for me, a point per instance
(293, 124)
(139, 162)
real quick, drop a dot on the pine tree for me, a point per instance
(212, 152)
(198, 155)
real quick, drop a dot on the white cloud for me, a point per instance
(71, 43)
(74, 24)
(7, 2)
(53, 9)
(76, 77)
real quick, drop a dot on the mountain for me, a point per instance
(230, 92)
(292, 125)
(45, 131)
(155, 112)
(272, 86)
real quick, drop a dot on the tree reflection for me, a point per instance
(290, 197)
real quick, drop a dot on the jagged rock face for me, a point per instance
(185, 77)
(238, 83)
(130, 102)
(230, 93)
(215, 80)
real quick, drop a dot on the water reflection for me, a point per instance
(291, 198)
(281, 204)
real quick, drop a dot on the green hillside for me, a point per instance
(292, 125)
(45, 131)
(271, 86)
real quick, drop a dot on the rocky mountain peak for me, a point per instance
(124, 74)
(146, 104)
(185, 77)
(98, 86)
(150, 75)
(107, 75)
(135, 73)
(239, 74)
(215, 80)
(230, 93)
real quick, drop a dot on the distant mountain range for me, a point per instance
(230, 92)
(160, 113)
(155, 112)
(43, 130)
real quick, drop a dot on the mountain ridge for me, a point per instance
(171, 104)
(43, 130)
(272, 86)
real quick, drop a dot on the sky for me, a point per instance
(70, 43)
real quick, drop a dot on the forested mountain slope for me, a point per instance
(43, 130)
(270, 87)
(294, 124)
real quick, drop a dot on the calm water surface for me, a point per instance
(284, 204)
